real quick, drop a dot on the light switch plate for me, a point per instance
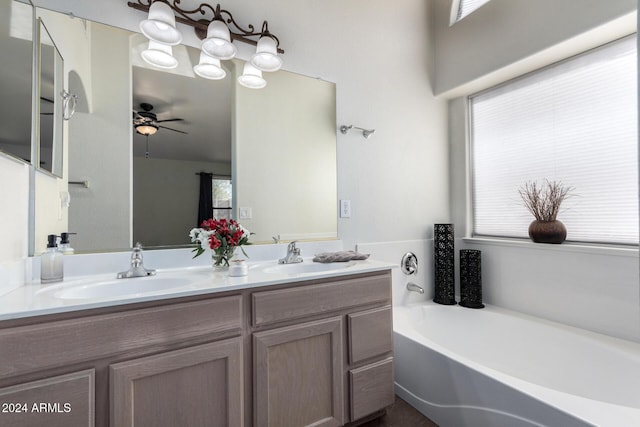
(345, 208)
(245, 213)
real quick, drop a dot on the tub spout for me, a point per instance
(415, 288)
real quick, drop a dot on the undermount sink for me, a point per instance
(119, 287)
(306, 268)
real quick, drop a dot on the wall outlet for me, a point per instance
(244, 213)
(345, 208)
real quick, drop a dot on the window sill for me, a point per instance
(596, 249)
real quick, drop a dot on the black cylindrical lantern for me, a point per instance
(470, 278)
(443, 251)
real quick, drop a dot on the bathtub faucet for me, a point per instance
(415, 288)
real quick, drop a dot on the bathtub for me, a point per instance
(494, 367)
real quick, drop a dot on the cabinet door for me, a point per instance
(195, 386)
(65, 400)
(298, 375)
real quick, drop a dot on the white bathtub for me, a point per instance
(494, 367)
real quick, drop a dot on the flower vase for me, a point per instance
(547, 231)
(221, 257)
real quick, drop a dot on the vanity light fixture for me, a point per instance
(209, 68)
(251, 77)
(266, 57)
(217, 29)
(159, 55)
(218, 42)
(161, 25)
(366, 133)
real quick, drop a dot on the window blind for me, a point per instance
(574, 122)
(463, 8)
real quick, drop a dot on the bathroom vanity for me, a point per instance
(311, 349)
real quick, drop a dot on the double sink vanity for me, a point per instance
(286, 345)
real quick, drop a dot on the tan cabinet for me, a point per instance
(64, 400)
(317, 353)
(195, 386)
(298, 375)
(331, 363)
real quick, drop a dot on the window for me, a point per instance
(222, 197)
(574, 122)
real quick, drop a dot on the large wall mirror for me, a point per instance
(50, 81)
(16, 45)
(277, 144)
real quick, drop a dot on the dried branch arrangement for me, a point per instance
(544, 200)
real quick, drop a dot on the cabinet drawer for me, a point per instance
(38, 347)
(65, 400)
(293, 303)
(370, 334)
(371, 388)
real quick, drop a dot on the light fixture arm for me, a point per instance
(200, 25)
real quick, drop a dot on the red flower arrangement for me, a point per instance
(222, 236)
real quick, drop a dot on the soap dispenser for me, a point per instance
(65, 246)
(51, 267)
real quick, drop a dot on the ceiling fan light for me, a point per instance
(159, 55)
(146, 129)
(251, 77)
(209, 68)
(266, 57)
(218, 42)
(161, 25)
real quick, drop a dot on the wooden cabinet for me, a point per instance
(311, 353)
(196, 345)
(298, 375)
(64, 400)
(195, 386)
(338, 328)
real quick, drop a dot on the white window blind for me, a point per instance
(574, 122)
(463, 8)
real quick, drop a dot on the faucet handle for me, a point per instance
(292, 246)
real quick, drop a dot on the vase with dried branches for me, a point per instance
(543, 201)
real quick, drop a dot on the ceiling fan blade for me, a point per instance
(170, 120)
(175, 130)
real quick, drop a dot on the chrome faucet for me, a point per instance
(137, 268)
(415, 288)
(293, 255)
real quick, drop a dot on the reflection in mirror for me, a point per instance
(280, 134)
(193, 136)
(16, 45)
(51, 84)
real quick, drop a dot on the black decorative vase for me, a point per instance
(470, 278)
(443, 251)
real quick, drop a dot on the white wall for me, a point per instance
(14, 191)
(592, 288)
(166, 198)
(518, 34)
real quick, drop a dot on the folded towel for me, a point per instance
(341, 256)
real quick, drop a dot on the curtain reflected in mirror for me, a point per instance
(16, 45)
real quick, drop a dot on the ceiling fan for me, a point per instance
(146, 123)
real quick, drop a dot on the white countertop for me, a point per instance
(35, 299)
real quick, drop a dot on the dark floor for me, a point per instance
(401, 414)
